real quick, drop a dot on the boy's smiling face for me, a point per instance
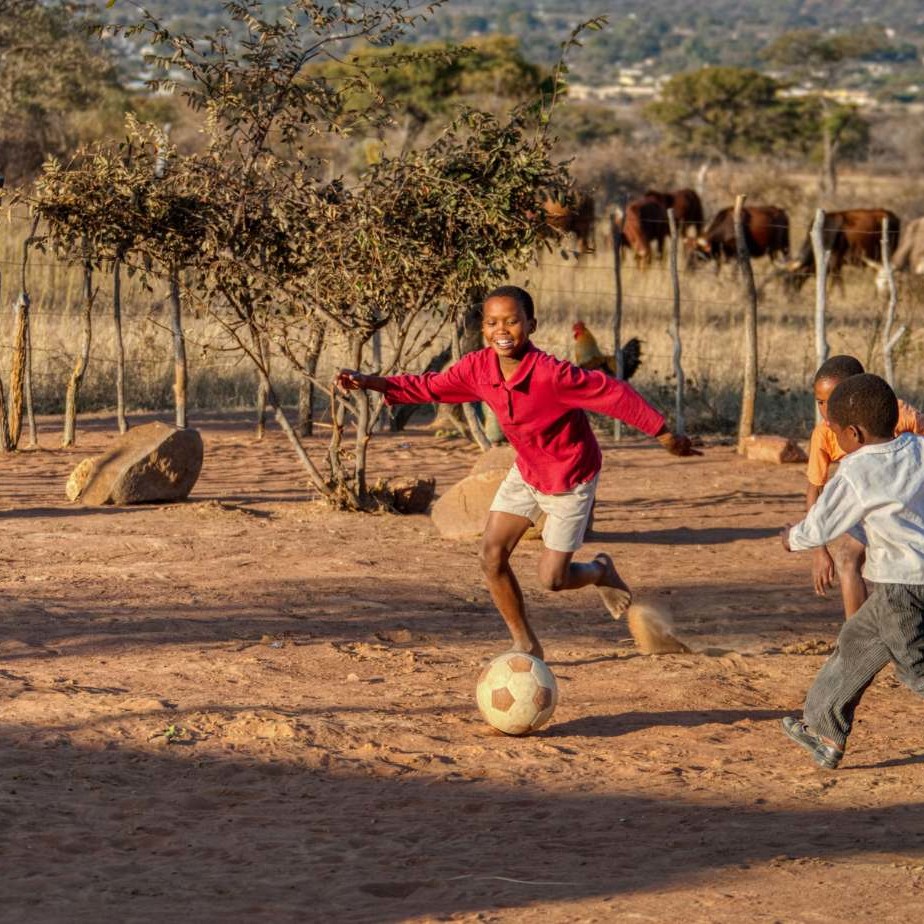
(823, 389)
(505, 327)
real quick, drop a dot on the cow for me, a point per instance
(577, 219)
(766, 233)
(853, 237)
(644, 224)
(910, 253)
(687, 206)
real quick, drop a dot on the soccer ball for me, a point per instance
(516, 693)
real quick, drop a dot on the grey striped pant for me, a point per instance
(888, 627)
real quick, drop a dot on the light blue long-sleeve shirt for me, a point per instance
(880, 487)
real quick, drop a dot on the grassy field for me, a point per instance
(565, 288)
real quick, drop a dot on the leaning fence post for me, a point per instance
(679, 423)
(179, 348)
(821, 293)
(889, 340)
(749, 387)
(617, 311)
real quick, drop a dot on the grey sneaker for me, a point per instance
(825, 755)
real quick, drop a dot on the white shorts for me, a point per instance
(567, 514)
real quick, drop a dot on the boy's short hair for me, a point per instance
(520, 296)
(839, 368)
(865, 401)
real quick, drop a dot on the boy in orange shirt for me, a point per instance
(844, 556)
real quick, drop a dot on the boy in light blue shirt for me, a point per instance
(879, 489)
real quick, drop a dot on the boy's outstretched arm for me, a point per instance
(453, 386)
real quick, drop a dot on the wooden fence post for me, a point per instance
(749, 388)
(617, 310)
(306, 387)
(821, 293)
(179, 349)
(889, 340)
(119, 344)
(83, 358)
(679, 422)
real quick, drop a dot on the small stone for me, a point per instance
(79, 478)
(775, 449)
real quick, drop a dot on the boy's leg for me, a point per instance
(567, 519)
(501, 535)
(860, 654)
(558, 572)
(904, 633)
(849, 554)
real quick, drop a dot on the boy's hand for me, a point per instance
(677, 445)
(823, 571)
(351, 380)
(784, 536)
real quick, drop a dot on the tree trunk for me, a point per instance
(263, 347)
(5, 444)
(364, 425)
(749, 388)
(679, 422)
(18, 368)
(179, 349)
(119, 345)
(83, 359)
(306, 388)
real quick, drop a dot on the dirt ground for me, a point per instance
(248, 707)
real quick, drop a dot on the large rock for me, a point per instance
(775, 449)
(153, 462)
(498, 458)
(462, 512)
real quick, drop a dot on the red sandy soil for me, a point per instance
(249, 707)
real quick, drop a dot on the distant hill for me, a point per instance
(660, 36)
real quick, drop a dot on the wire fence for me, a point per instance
(565, 290)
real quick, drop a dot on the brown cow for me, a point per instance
(766, 233)
(687, 206)
(853, 237)
(577, 219)
(644, 224)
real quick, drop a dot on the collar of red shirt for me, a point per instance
(520, 377)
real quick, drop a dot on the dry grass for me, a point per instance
(565, 290)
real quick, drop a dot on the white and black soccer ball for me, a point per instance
(517, 693)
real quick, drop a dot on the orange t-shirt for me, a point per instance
(824, 450)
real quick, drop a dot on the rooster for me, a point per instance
(588, 355)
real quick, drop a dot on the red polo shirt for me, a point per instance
(540, 410)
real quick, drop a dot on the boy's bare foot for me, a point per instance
(531, 648)
(613, 589)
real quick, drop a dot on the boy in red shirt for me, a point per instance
(539, 402)
(844, 556)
